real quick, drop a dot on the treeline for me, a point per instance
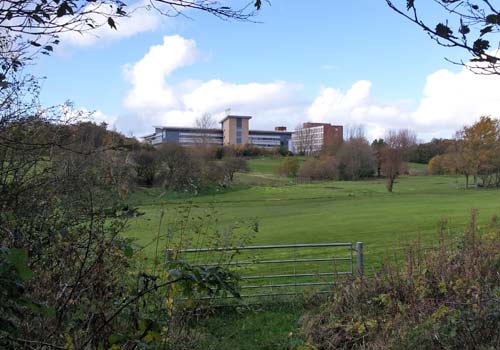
(184, 169)
(357, 159)
(474, 153)
(126, 162)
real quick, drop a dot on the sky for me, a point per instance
(341, 62)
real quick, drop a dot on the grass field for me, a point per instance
(314, 213)
(336, 211)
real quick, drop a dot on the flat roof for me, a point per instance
(274, 132)
(190, 128)
(236, 117)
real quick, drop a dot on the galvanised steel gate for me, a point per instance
(289, 269)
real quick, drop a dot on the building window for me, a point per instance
(239, 132)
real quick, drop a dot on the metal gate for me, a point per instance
(278, 270)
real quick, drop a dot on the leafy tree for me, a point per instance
(424, 152)
(470, 25)
(479, 149)
(289, 167)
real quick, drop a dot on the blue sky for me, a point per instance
(344, 62)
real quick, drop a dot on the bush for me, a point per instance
(443, 164)
(444, 298)
(289, 167)
(356, 160)
(324, 168)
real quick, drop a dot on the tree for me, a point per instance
(324, 168)
(303, 140)
(478, 149)
(355, 159)
(471, 25)
(205, 124)
(395, 154)
(146, 165)
(64, 265)
(378, 151)
(289, 167)
(233, 165)
(424, 152)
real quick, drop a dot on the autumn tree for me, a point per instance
(478, 147)
(472, 26)
(396, 153)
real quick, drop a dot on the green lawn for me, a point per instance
(318, 212)
(336, 211)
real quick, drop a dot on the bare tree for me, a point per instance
(356, 159)
(205, 125)
(477, 24)
(355, 131)
(303, 140)
(396, 153)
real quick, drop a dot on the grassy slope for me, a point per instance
(341, 211)
(320, 212)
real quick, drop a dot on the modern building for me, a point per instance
(234, 131)
(316, 137)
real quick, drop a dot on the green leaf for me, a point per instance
(19, 259)
(128, 251)
(115, 338)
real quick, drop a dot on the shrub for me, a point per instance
(356, 160)
(324, 168)
(289, 167)
(444, 164)
(444, 298)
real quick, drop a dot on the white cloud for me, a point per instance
(142, 19)
(452, 100)
(357, 107)
(150, 91)
(155, 101)
(72, 115)
(449, 100)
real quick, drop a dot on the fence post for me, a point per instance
(170, 255)
(360, 265)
